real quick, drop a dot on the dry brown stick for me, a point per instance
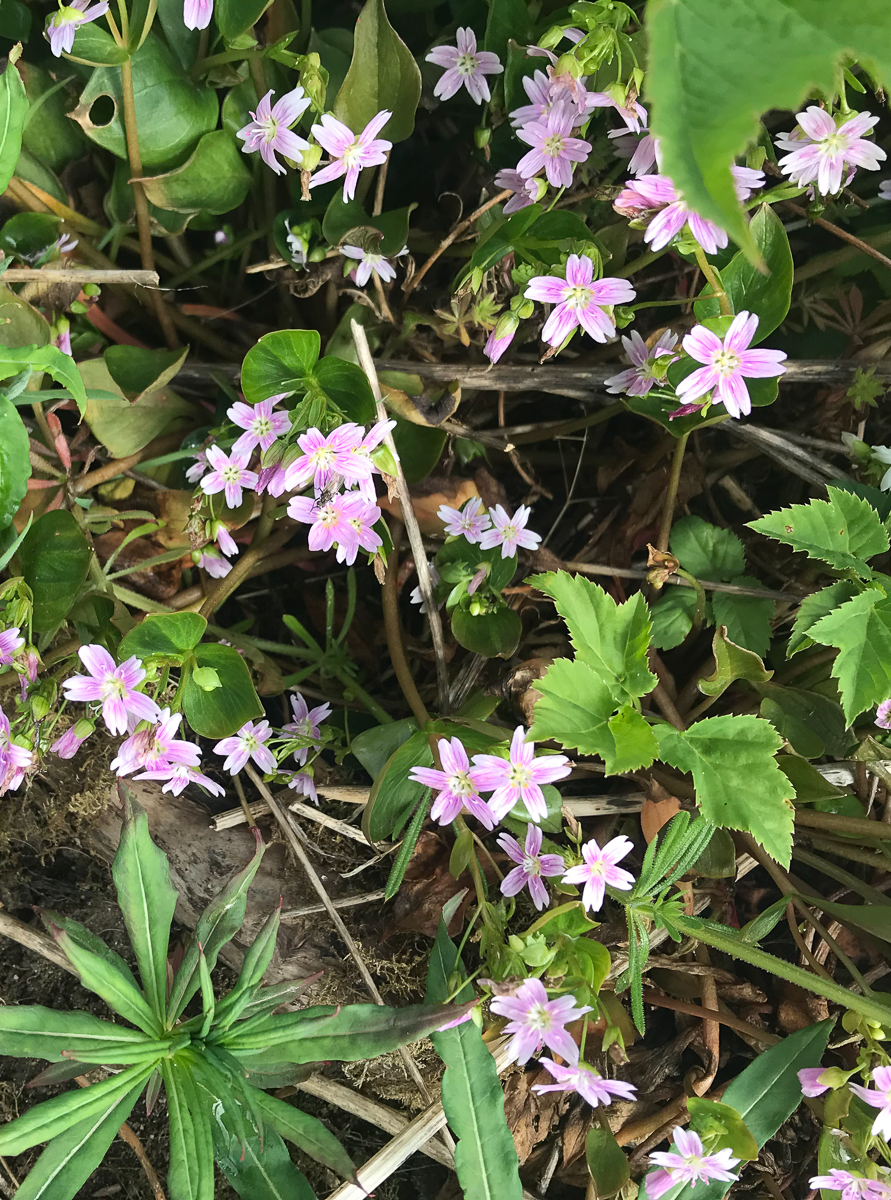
(300, 854)
(839, 233)
(416, 541)
(77, 274)
(33, 939)
(731, 589)
(409, 286)
(126, 1134)
(117, 466)
(711, 1029)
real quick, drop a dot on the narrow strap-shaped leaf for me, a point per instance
(305, 1131)
(182, 1174)
(216, 926)
(147, 899)
(199, 1103)
(33, 1031)
(72, 1157)
(86, 938)
(104, 978)
(260, 1173)
(55, 1116)
(485, 1158)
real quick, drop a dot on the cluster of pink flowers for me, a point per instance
(490, 529)
(823, 154)
(814, 1082)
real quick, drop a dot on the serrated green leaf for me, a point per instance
(861, 632)
(732, 662)
(611, 638)
(146, 897)
(816, 606)
(579, 711)
(748, 619)
(72, 1157)
(383, 74)
(707, 551)
(713, 71)
(485, 1158)
(738, 782)
(843, 531)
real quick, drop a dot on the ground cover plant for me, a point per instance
(473, 411)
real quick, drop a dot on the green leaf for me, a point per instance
(72, 1157)
(814, 607)
(843, 531)
(509, 20)
(607, 1162)
(407, 848)
(485, 1158)
(235, 17)
(103, 978)
(344, 1033)
(393, 795)
(137, 371)
(347, 386)
(493, 634)
(374, 746)
(344, 216)
(577, 709)
(258, 1170)
(223, 711)
(32, 1031)
(707, 551)
(30, 234)
(861, 632)
(810, 786)
(813, 724)
(123, 426)
(147, 900)
(747, 619)
(169, 636)
(711, 1117)
(183, 1175)
(279, 362)
(15, 466)
(383, 74)
(765, 1095)
(172, 112)
(214, 179)
(767, 295)
(873, 918)
(738, 782)
(55, 559)
(52, 1117)
(48, 359)
(612, 639)
(13, 113)
(305, 1131)
(418, 447)
(93, 44)
(732, 662)
(713, 72)
(672, 616)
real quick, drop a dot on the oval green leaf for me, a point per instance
(55, 559)
(165, 635)
(383, 74)
(495, 634)
(223, 711)
(280, 362)
(215, 179)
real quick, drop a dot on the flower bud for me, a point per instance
(482, 136)
(568, 64)
(72, 739)
(310, 158)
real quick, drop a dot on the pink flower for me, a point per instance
(509, 532)
(197, 13)
(640, 150)
(114, 686)
(15, 760)
(532, 865)
(223, 538)
(599, 870)
(262, 426)
(728, 363)
(329, 521)
(466, 67)
(273, 480)
(306, 725)
(883, 715)
(579, 300)
(880, 1099)
(177, 776)
(268, 132)
(809, 1079)
(351, 152)
(198, 467)
(884, 192)
(10, 642)
(852, 1187)
(72, 739)
(633, 114)
(229, 474)
(362, 516)
(368, 262)
(519, 777)
(649, 366)
(247, 743)
(64, 24)
(589, 1084)
(467, 521)
(324, 457)
(525, 190)
(156, 748)
(62, 338)
(690, 1165)
(415, 596)
(457, 785)
(210, 560)
(822, 152)
(553, 146)
(658, 192)
(304, 785)
(543, 94)
(357, 466)
(536, 1021)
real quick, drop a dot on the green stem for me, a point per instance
(349, 685)
(474, 865)
(699, 610)
(671, 494)
(733, 945)
(714, 281)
